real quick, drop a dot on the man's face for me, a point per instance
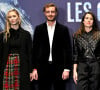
(50, 13)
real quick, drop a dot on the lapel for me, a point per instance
(55, 34)
(45, 34)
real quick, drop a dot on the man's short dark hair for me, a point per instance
(50, 5)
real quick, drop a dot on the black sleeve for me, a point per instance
(1, 48)
(67, 50)
(35, 48)
(75, 51)
(29, 50)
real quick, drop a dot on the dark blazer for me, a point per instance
(61, 47)
(25, 58)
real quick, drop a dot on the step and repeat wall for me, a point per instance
(70, 13)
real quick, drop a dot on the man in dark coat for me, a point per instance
(51, 52)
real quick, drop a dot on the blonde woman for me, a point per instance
(15, 54)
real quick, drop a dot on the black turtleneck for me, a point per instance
(14, 41)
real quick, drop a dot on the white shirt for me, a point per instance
(51, 30)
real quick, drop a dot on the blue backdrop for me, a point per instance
(70, 11)
(70, 14)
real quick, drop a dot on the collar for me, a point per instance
(52, 25)
(89, 32)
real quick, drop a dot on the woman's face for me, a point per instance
(13, 18)
(88, 20)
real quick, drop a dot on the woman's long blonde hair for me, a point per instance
(8, 26)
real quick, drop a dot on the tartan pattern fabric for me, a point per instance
(11, 73)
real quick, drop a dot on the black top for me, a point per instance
(85, 46)
(14, 41)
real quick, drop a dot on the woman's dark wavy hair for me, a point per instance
(82, 28)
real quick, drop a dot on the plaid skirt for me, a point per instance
(11, 73)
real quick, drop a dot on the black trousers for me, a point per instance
(88, 76)
(48, 81)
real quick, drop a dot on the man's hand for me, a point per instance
(65, 75)
(34, 75)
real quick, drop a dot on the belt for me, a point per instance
(88, 60)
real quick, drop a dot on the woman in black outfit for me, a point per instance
(15, 54)
(86, 70)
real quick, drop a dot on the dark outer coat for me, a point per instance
(61, 49)
(25, 58)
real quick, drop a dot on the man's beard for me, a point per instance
(51, 19)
